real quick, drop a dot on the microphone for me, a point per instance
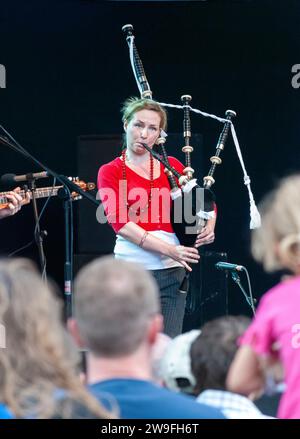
(10, 179)
(227, 266)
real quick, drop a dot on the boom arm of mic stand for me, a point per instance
(62, 178)
(75, 188)
(237, 280)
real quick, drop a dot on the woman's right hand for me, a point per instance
(185, 255)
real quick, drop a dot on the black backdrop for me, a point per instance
(68, 71)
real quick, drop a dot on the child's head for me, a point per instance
(277, 243)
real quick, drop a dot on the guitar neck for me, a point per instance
(39, 193)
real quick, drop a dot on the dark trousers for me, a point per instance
(172, 301)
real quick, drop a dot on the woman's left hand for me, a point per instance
(206, 236)
(15, 202)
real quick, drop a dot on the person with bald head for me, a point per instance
(117, 320)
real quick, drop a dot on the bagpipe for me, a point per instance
(192, 204)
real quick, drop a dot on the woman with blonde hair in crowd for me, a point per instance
(38, 361)
(273, 336)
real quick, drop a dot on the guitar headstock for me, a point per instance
(83, 185)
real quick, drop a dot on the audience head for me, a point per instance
(175, 365)
(39, 357)
(116, 307)
(276, 244)
(213, 351)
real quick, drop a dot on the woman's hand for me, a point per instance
(185, 255)
(15, 202)
(206, 236)
(25, 200)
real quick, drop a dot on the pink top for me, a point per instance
(278, 321)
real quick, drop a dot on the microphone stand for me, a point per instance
(38, 233)
(69, 186)
(64, 195)
(237, 280)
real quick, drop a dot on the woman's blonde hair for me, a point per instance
(39, 359)
(277, 243)
(133, 105)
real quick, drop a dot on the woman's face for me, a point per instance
(144, 127)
